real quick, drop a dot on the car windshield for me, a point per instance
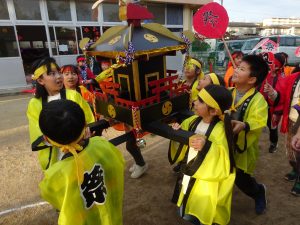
(250, 44)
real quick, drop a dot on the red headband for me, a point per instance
(80, 59)
(277, 63)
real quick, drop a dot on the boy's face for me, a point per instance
(242, 76)
(201, 109)
(190, 70)
(81, 63)
(70, 79)
(238, 60)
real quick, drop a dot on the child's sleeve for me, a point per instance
(177, 150)
(89, 117)
(255, 119)
(52, 189)
(35, 134)
(257, 114)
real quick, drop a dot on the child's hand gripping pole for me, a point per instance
(197, 141)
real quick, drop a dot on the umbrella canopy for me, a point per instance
(148, 39)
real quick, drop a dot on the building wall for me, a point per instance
(34, 28)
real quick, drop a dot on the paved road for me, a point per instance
(13, 111)
(146, 200)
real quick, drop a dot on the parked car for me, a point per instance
(221, 54)
(249, 45)
(287, 44)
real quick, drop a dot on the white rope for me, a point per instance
(22, 208)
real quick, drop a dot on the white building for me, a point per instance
(281, 26)
(30, 29)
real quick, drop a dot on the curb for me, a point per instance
(14, 91)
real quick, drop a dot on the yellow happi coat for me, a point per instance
(255, 116)
(210, 197)
(99, 198)
(48, 154)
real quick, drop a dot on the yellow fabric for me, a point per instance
(105, 74)
(210, 198)
(248, 94)
(209, 100)
(194, 92)
(192, 61)
(33, 113)
(60, 188)
(214, 78)
(41, 70)
(256, 116)
(72, 148)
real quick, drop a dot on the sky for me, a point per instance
(257, 10)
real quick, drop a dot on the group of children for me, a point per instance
(223, 152)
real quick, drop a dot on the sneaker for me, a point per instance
(296, 189)
(273, 147)
(131, 169)
(291, 176)
(139, 171)
(261, 200)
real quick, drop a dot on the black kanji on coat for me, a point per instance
(93, 187)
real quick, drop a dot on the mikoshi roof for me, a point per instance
(148, 39)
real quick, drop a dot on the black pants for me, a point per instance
(273, 132)
(134, 150)
(296, 164)
(247, 184)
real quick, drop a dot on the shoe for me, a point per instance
(296, 188)
(139, 171)
(273, 147)
(131, 169)
(291, 176)
(261, 200)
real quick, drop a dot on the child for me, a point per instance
(289, 93)
(49, 87)
(273, 82)
(87, 78)
(192, 74)
(87, 185)
(208, 79)
(71, 81)
(237, 58)
(250, 118)
(206, 190)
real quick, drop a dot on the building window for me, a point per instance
(174, 14)
(53, 44)
(93, 33)
(27, 10)
(84, 11)
(8, 42)
(158, 11)
(3, 10)
(66, 40)
(33, 44)
(59, 10)
(110, 12)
